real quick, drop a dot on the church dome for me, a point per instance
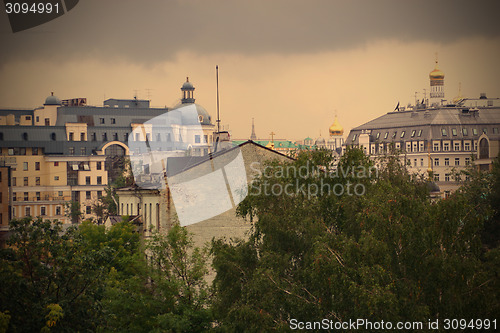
(187, 85)
(336, 129)
(436, 74)
(202, 117)
(320, 141)
(52, 100)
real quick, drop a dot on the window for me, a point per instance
(99, 194)
(386, 134)
(495, 130)
(27, 211)
(88, 210)
(415, 146)
(60, 193)
(94, 138)
(446, 177)
(71, 136)
(436, 177)
(467, 160)
(115, 137)
(25, 136)
(83, 151)
(82, 136)
(415, 162)
(457, 161)
(47, 122)
(446, 146)
(25, 196)
(99, 180)
(435, 146)
(37, 181)
(446, 161)
(419, 133)
(101, 120)
(37, 165)
(98, 165)
(436, 162)
(43, 210)
(394, 134)
(421, 146)
(34, 151)
(354, 137)
(197, 139)
(14, 181)
(25, 183)
(421, 162)
(443, 132)
(56, 177)
(485, 131)
(125, 137)
(56, 164)
(402, 134)
(378, 135)
(408, 146)
(53, 136)
(37, 194)
(454, 131)
(87, 180)
(467, 146)
(456, 146)
(71, 151)
(25, 166)
(474, 131)
(413, 133)
(14, 196)
(58, 210)
(104, 136)
(464, 132)
(113, 120)
(87, 195)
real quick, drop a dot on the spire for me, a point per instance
(253, 137)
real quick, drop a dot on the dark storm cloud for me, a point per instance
(150, 31)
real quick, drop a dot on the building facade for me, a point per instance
(66, 151)
(435, 136)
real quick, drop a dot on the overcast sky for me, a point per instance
(290, 64)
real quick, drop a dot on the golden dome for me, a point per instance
(336, 129)
(436, 74)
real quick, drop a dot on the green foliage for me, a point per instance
(48, 267)
(73, 211)
(167, 292)
(389, 254)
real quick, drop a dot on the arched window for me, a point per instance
(484, 149)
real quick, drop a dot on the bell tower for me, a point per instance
(187, 92)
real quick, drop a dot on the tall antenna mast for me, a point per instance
(217, 78)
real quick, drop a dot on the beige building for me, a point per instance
(436, 136)
(157, 210)
(66, 151)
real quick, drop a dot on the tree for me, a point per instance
(167, 292)
(388, 253)
(57, 275)
(73, 211)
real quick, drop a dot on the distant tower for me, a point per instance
(187, 92)
(437, 84)
(336, 135)
(253, 137)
